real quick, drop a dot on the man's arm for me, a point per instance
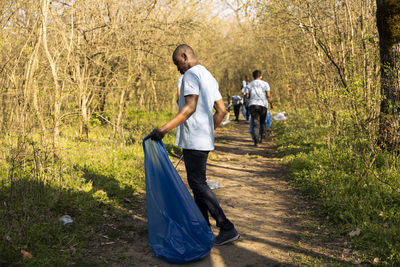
(182, 116)
(220, 112)
(269, 98)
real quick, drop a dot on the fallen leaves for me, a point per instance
(26, 254)
(355, 232)
(107, 243)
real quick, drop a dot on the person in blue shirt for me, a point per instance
(195, 122)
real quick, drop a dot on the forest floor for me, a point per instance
(277, 226)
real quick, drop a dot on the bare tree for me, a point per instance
(54, 72)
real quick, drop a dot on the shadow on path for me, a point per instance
(255, 195)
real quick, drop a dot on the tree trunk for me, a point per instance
(102, 98)
(32, 84)
(155, 100)
(57, 88)
(120, 111)
(389, 44)
(84, 118)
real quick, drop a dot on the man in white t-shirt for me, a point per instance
(199, 95)
(257, 92)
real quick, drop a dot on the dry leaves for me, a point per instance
(355, 232)
(26, 254)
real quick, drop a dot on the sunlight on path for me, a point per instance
(255, 195)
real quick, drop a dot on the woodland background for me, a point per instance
(82, 82)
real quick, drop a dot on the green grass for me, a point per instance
(333, 170)
(85, 180)
(104, 176)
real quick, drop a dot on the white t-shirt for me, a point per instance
(257, 89)
(180, 82)
(237, 100)
(244, 83)
(197, 132)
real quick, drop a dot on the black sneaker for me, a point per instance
(226, 237)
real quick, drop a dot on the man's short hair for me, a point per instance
(256, 74)
(184, 48)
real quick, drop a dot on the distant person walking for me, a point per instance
(196, 123)
(230, 105)
(257, 92)
(245, 106)
(237, 103)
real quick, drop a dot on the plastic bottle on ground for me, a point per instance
(66, 219)
(213, 184)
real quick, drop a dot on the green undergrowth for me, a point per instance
(356, 189)
(82, 179)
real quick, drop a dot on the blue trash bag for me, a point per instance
(268, 120)
(177, 230)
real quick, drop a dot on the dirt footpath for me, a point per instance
(255, 195)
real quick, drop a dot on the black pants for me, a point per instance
(258, 113)
(195, 163)
(236, 109)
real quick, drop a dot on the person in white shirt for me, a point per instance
(196, 123)
(245, 82)
(257, 92)
(245, 107)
